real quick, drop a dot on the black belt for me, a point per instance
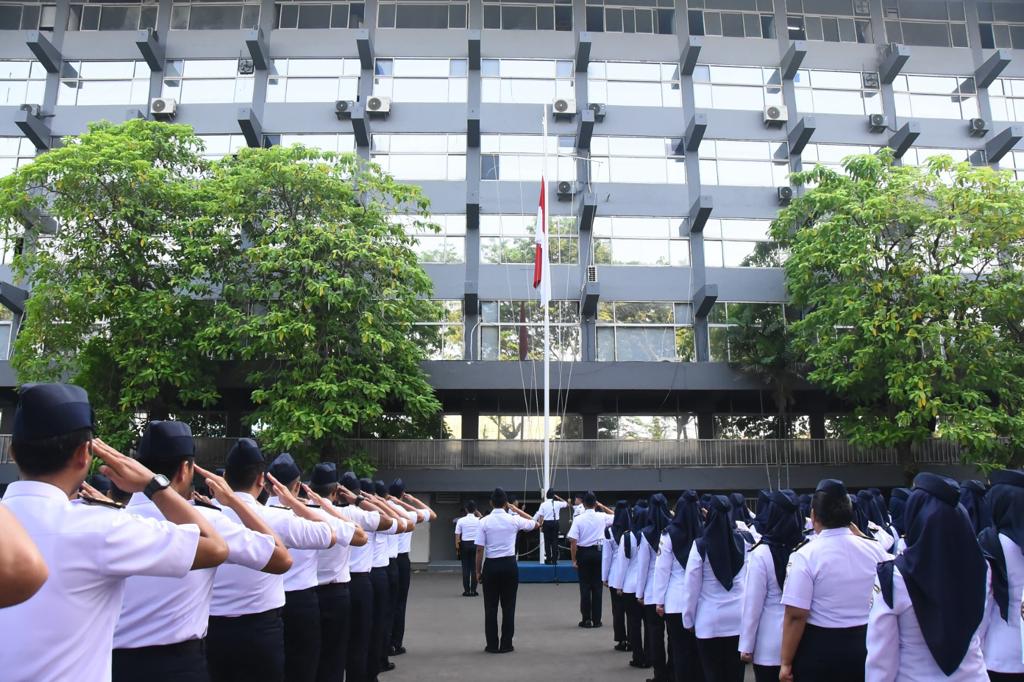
(403, 554)
(578, 547)
(272, 614)
(188, 647)
(332, 589)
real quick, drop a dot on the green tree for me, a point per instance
(913, 280)
(322, 295)
(119, 291)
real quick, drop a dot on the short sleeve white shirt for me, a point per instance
(466, 527)
(588, 528)
(549, 510)
(497, 533)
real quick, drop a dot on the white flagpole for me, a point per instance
(546, 287)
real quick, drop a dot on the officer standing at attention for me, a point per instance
(160, 633)
(465, 547)
(380, 637)
(828, 594)
(497, 569)
(245, 640)
(66, 630)
(548, 516)
(418, 513)
(585, 536)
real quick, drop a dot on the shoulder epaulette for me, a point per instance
(207, 505)
(806, 540)
(93, 502)
(277, 506)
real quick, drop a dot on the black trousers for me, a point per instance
(550, 531)
(247, 648)
(683, 657)
(301, 618)
(389, 616)
(766, 673)
(588, 559)
(381, 613)
(618, 615)
(182, 662)
(634, 627)
(402, 599)
(720, 659)
(467, 553)
(655, 644)
(833, 654)
(501, 585)
(334, 624)
(1005, 677)
(360, 593)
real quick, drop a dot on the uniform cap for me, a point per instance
(284, 469)
(245, 452)
(380, 488)
(831, 487)
(166, 441)
(324, 473)
(366, 485)
(397, 487)
(49, 410)
(945, 489)
(1014, 477)
(350, 481)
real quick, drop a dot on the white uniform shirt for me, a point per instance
(608, 549)
(379, 544)
(645, 571)
(588, 528)
(897, 651)
(302, 574)
(66, 630)
(550, 510)
(497, 533)
(332, 564)
(466, 527)
(762, 612)
(708, 607)
(402, 542)
(1002, 639)
(832, 578)
(361, 559)
(239, 591)
(668, 578)
(158, 611)
(629, 565)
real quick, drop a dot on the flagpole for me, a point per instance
(546, 287)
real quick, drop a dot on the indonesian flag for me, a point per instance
(541, 271)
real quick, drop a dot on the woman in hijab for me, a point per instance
(623, 577)
(669, 568)
(861, 502)
(713, 593)
(930, 601)
(610, 547)
(972, 493)
(763, 498)
(761, 617)
(897, 504)
(654, 625)
(739, 511)
(1003, 545)
(805, 511)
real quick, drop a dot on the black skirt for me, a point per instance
(831, 655)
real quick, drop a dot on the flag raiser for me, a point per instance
(541, 271)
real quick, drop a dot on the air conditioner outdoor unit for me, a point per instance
(784, 194)
(563, 107)
(343, 108)
(600, 111)
(163, 107)
(378, 105)
(775, 115)
(565, 190)
(246, 67)
(591, 273)
(977, 127)
(869, 79)
(877, 123)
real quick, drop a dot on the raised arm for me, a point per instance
(415, 502)
(22, 568)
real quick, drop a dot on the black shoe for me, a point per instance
(397, 650)
(467, 594)
(640, 664)
(585, 624)
(387, 667)
(596, 624)
(506, 649)
(474, 593)
(491, 650)
(621, 646)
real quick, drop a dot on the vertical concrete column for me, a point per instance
(471, 306)
(163, 32)
(366, 75)
(878, 30)
(60, 27)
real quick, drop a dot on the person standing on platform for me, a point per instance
(497, 569)
(658, 520)
(465, 547)
(418, 513)
(161, 631)
(713, 593)
(548, 515)
(1003, 545)
(577, 506)
(669, 570)
(930, 601)
(610, 547)
(585, 548)
(827, 594)
(761, 619)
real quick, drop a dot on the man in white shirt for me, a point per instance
(66, 630)
(585, 536)
(465, 547)
(548, 515)
(418, 513)
(497, 569)
(162, 627)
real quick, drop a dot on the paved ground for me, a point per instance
(445, 639)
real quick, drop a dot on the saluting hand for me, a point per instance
(318, 499)
(349, 496)
(89, 492)
(126, 473)
(282, 492)
(219, 488)
(202, 499)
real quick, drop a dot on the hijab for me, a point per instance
(720, 543)
(872, 510)
(1004, 504)
(763, 498)
(620, 521)
(657, 520)
(783, 529)
(897, 505)
(860, 503)
(685, 527)
(947, 588)
(633, 536)
(739, 511)
(971, 495)
(805, 507)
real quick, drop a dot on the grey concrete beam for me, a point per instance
(473, 49)
(250, 126)
(695, 129)
(589, 296)
(583, 45)
(991, 68)
(585, 130)
(13, 298)
(586, 212)
(704, 299)
(894, 58)
(35, 218)
(700, 211)
(904, 138)
(793, 58)
(801, 134)
(44, 51)
(365, 48)
(151, 49)
(473, 127)
(1002, 142)
(131, 114)
(259, 49)
(473, 209)
(689, 54)
(33, 126)
(471, 295)
(361, 125)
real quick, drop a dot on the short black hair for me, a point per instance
(48, 455)
(470, 506)
(244, 477)
(324, 489)
(167, 467)
(832, 511)
(589, 500)
(499, 498)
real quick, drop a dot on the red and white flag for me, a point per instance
(541, 271)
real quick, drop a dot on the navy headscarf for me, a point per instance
(633, 536)
(860, 503)
(685, 527)
(805, 507)
(943, 568)
(720, 543)
(763, 498)
(657, 520)
(783, 529)
(705, 501)
(1004, 504)
(897, 505)
(739, 511)
(972, 493)
(620, 521)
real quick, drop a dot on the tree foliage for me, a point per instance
(912, 281)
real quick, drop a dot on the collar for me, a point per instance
(36, 489)
(249, 499)
(138, 500)
(497, 511)
(834, 532)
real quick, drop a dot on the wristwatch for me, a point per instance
(158, 483)
(359, 500)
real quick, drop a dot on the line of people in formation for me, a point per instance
(824, 587)
(268, 579)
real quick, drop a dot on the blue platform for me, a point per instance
(535, 572)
